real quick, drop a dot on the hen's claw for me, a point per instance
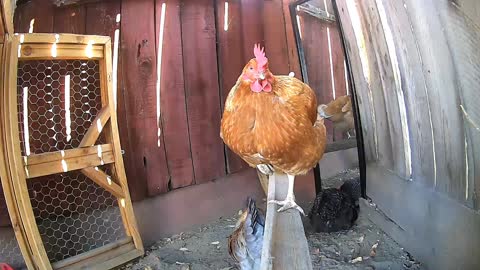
(288, 203)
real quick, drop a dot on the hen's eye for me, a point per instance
(251, 68)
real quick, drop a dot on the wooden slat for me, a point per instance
(231, 61)
(69, 164)
(96, 128)
(74, 52)
(93, 257)
(461, 31)
(2, 26)
(65, 39)
(8, 16)
(119, 260)
(66, 154)
(126, 206)
(252, 26)
(317, 59)
(395, 134)
(294, 61)
(448, 132)
(341, 145)
(173, 103)
(104, 181)
(338, 59)
(70, 19)
(275, 41)
(18, 177)
(416, 97)
(40, 10)
(139, 75)
(101, 18)
(137, 186)
(202, 91)
(364, 96)
(284, 243)
(13, 214)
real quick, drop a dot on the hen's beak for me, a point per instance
(321, 112)
(261, 76)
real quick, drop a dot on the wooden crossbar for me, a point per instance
(66, 154)
(75, 161)
(96, 128)
(61, 51)
(103, 180)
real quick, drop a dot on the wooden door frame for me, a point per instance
(36, 46)
(351, 83)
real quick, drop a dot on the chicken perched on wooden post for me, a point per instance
(245, 243)
(339, 111)
(271, 122)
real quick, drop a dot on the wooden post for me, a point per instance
(284, 243)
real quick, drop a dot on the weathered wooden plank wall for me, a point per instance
(174, 106)
(200, 61)
(416, 76)
(202, 90)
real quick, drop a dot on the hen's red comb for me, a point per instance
(260, 55)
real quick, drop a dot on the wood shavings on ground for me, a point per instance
(333, 251)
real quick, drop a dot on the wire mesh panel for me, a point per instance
(58, 101)
(41, 87)
(9, 250)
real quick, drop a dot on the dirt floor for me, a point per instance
(365, 246)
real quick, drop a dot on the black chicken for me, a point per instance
(336, 209)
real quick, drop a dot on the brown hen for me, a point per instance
(339, 111)
(271, 122)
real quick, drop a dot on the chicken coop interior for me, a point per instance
(170, 134)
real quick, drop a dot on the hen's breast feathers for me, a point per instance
(280, 126)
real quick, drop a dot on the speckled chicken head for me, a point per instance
(335, 109)
(256, 72)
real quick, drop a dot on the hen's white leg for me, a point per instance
(265, 169)
(289, 201)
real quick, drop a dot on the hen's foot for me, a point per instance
(265, 169)
(288, 203)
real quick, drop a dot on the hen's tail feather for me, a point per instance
(245, 243)
(257, 219)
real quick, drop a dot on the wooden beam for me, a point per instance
(5, 179)
(7, 10)
(104, 181)
(60, 3)
(62, 51)
(69, 164)
(65, 39)
(341, 145)
(66, 154)
(126, 207)
(14, 159)
(96, 256)
(284, 242)
(96, 128)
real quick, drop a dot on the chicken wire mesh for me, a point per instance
(57, 103)
(9, 249)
